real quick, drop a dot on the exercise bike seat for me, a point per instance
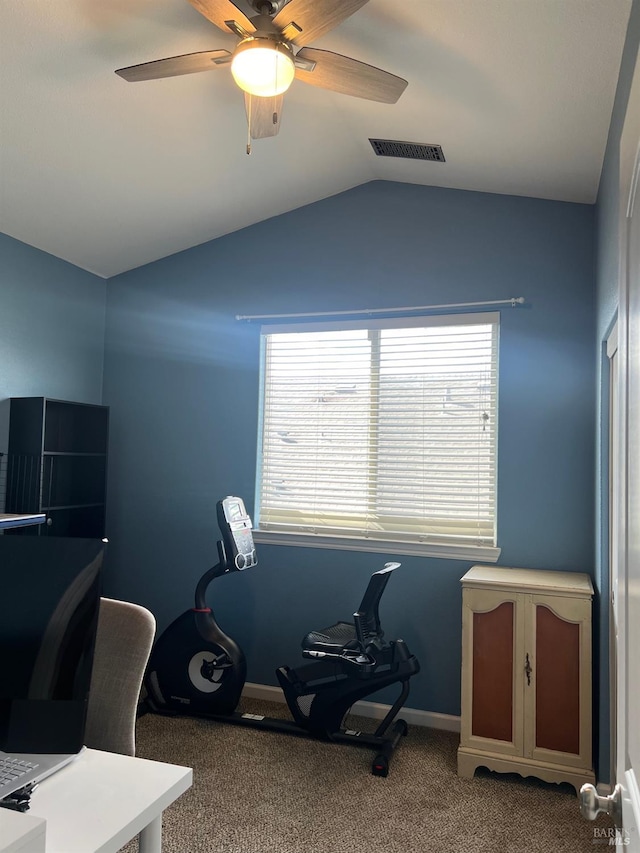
(366, 624)
(332, 639)
(349, 662)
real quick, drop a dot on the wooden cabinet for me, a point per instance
(526, 674)
(57, 464)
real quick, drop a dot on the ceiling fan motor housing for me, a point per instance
(268, 7)
(264, 39)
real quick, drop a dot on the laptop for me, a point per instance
(48, 618)
(20, 770)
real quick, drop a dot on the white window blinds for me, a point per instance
(381, 430)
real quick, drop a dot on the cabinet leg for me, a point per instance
(467, 765)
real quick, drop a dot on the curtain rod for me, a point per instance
(519, 300)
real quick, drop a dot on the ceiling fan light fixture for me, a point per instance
(263, 67)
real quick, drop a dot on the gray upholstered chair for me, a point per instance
(123, 644)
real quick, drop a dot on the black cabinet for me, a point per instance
(57, 464)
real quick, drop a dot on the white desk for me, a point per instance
(102, 800)
(21, 833)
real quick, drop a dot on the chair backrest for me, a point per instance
(123, 644)
(366, 618)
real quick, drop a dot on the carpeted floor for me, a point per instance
(259, 792)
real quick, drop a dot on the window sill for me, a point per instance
(482, 553)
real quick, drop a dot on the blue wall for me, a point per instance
(607, 303)
(52, 324)
(181, 376)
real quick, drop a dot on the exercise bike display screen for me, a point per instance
(234, 511)
(235, 526)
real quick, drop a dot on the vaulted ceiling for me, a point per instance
(110, 175)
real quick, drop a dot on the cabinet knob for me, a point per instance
(528, 669)
(591, 804)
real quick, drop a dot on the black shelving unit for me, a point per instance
(57, 464)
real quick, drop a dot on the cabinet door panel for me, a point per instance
(491, 685)
(492, 703)
(558, 697)
(557, 682)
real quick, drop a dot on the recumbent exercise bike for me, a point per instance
(195, 669)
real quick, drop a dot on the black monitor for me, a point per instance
(49, 603)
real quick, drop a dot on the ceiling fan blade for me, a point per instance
(174, 66)
(263, 115)
(221, 11)
(350, 77)
(313, 18)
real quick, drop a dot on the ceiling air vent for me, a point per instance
(407, 150)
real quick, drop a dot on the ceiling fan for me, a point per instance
(272, 51)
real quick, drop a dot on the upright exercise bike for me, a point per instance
(197, 670)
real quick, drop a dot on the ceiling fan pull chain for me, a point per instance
(274, 116)
(249, 126)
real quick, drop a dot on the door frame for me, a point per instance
(613, 463)
(627, 535)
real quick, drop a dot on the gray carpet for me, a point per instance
(259, 792)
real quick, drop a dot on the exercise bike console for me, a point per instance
(238, 551)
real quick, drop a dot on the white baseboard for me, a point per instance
(374, 710)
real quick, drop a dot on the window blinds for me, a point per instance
(381, 429)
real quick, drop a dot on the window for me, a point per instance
(381, 435)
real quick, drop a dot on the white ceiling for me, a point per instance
(110, 175)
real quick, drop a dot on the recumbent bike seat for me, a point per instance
(351, 660)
